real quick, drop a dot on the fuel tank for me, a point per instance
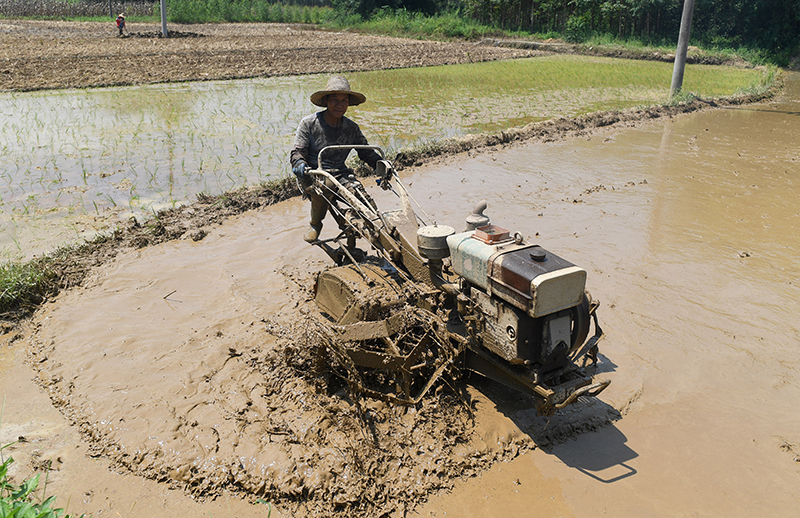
(526, 276)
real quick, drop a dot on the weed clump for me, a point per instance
(23, 286)
(20, 500)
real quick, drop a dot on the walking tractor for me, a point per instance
(428, 303)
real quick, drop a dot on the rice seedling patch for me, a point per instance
(129, 151)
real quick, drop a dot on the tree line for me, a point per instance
(773, 25)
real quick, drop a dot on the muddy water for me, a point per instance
(688, 230)
(176, 380)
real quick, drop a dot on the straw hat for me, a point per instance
(337, 85)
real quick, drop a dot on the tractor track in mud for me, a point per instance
(330, 455)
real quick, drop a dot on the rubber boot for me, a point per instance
(319, 207)
(312, 234)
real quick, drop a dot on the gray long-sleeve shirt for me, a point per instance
(314, 133)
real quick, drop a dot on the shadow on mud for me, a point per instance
(582, 436)
(601, 455)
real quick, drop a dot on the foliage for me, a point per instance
(768, 24)
(402, 22)
(768, 27)
(25, 285)
(19, 501)
(577, 28)
(368, 8)
(204, 11)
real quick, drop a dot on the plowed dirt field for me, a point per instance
(37, 55)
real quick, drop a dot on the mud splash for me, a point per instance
(255, 422)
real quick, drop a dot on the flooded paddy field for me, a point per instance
(687, 227)
(76, 161)
(174, 381)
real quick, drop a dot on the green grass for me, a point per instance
(720, 53)
(495, 96)
(23, 286)
(416, 25)
(771, 77)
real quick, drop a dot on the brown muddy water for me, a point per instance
(688, 228)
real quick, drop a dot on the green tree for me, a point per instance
(366, 8)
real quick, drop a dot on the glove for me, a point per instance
(384, 171)
(299, 170)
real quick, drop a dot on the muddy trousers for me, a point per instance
(319, 208)
(320, 203)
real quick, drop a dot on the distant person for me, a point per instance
(328, 127)
(121, 23)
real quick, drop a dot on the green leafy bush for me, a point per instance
(19, 501)
(577, 28)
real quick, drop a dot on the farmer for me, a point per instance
(327, 128)
(120, 23)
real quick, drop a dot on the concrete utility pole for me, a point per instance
(164, 19)
(683, 45)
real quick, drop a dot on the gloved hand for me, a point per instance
(299, 170)
(384, 172)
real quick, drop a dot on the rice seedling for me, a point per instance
(21, 500)
(221, 135)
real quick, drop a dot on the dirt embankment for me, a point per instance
(694, 56)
